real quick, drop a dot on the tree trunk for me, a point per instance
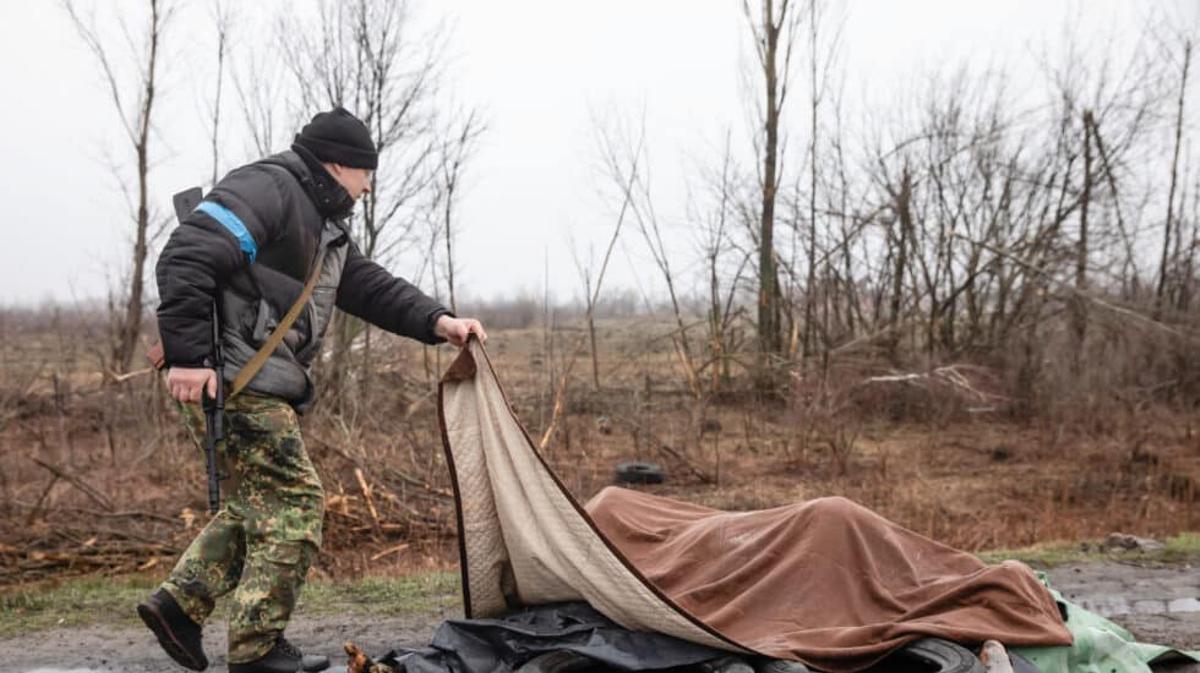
(1078, 303)
(1162, 268)
(131, 326)
(904, 217)
(769, 334)
(809, 288)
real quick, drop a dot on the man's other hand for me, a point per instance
(456, 330)
(186, 384)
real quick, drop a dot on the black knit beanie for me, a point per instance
(338, 137)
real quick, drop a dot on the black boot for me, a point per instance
(283, 658)
(176, 632)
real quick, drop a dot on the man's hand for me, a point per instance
(456, 330)
(186, 384)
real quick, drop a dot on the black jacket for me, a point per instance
(250, 245)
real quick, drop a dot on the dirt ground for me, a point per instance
(118, 485)
(1159, 603)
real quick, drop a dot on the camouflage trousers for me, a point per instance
(260, 544)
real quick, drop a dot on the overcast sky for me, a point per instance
(540, 71)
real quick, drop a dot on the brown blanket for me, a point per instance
(825, 582)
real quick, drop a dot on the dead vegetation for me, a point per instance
(102, 477)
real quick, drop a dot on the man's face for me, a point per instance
(356, 181)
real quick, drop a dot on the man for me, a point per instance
(250, 246)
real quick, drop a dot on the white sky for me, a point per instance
(538, 69)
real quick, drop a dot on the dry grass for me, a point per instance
(131, 491)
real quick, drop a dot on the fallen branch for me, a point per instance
(96, 496)
(41, 498)
(390, 472)
(127, 514)
(441, 494)
(366, 491)
(949, 376)
(390, 550)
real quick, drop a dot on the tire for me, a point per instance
(636, 472)
(781, 666)
(930, 655)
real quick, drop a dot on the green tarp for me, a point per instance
(1100, 646)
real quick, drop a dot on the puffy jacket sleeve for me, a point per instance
(242, 213)
(370, 292)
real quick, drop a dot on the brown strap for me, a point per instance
(260, 358)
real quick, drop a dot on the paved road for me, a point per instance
(1158, 604)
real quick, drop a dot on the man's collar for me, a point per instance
(330, 197)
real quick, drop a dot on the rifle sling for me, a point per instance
(276, 337)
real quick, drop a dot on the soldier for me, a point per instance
(249, 247)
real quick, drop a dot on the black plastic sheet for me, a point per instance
(506, 644)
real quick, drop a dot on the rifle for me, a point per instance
(214, 406)
(214, 415)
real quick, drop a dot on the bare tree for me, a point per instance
(1079, 307)
(221, 22)
(608, 149)
(453, 155)
(1185, 63)
(773, 27)
(135, 108)
(586, 271)
(900, 235)
(716, 244)
(618, 150)
(365, 55)
(819, 80)
(264, 91)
